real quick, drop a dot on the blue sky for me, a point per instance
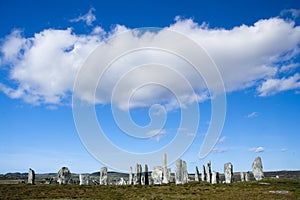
(254, 44)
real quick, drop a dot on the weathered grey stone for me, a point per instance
(178, 172)
(137, 179)
(103, 176)
(247, 176)
(130, 178)
(146, 175)
(31, 176)
(214, 177)
(257, 169)
(228, 172)
(150, 180)
(185, 173)
(84, 179)
(143, 180)
(242, 176)
(196, 174)
(181, 175)
(121, 182)
(208, 172)
(164, 158)
(157, 174)
(63, 175)
(166, 173)
(203, 173)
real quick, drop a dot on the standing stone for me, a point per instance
(130, 181)
(63, 175)
(197, 174)
(228, 172)
(137, 179)
(150, 180)
(208, 172)
(214, 177)
(242, 176)
(178, 172)
(181, 174)
(140, 172)
(247, 176)
(157, 174)
(185, 173)
(103, 176)
(166, 177)
(146, 175)
(84, 179)
(257, 169)
(135, 176)
(203, 173)
(31, 176)
(121, 182)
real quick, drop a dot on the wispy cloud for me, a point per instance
(88, 18)
(222, 139)
(293, 13)
(157, 134)
(257, 149)
(252, 115)
(190, 134)
(283, 150)
(273, 86)
(220, 150)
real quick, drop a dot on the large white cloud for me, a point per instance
(43, 68)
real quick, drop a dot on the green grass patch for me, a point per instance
(192, 190)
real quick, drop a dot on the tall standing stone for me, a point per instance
(242, 176)
(157, 174)
(214, 177)
(228, 172)
(185, 173)
(130, 181)
(181, 174)
(137, 179)
(257, 169)
(63, 175)
(135, 175)
(203, 173)
(196, 174)
(247, 176)
(208, 172)
(178, 172)
(103, 176)
(84, 179)
(31, 176)
(165, 170)
(146, 175)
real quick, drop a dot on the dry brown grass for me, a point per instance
(193, 190)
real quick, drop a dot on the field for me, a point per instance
(266, 189)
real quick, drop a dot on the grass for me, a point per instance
(192, 190)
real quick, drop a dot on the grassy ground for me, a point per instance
(193, 190)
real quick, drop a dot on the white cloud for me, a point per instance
(220, 150)
(283, 150)
(294, 13)
(88, 18)
(43, 67)
(157, 134)
(289, 68)
(273, 85)
(222, 139)
(257, 149)
(252, 115)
